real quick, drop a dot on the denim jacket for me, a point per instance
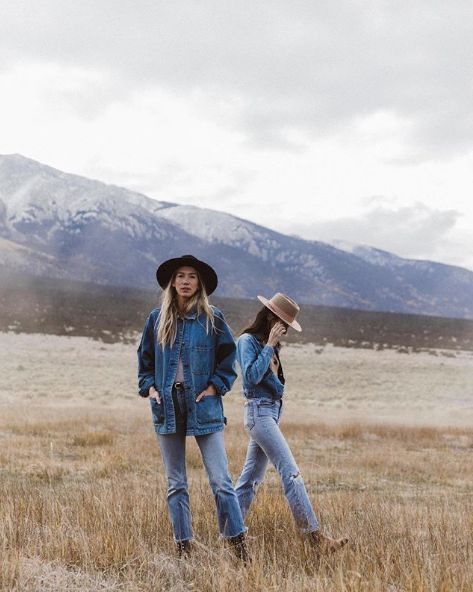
(207, 359)
(258, 379)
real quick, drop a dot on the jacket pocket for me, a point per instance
(202, 360)
(157, 411)
(209, 410)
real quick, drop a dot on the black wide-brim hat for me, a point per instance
(207, 274)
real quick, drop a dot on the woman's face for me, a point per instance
(186, 282)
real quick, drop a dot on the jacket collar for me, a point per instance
(192, 314)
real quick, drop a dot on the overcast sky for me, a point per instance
(343, 120)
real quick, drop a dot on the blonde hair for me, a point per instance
(167, 318)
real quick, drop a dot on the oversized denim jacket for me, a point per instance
(257, 377)
(207, 359)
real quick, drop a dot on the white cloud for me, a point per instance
(280, 112)
(315, 67)
(417, 231)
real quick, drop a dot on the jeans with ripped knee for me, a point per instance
(267, 443)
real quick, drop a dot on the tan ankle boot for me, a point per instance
(323, 544)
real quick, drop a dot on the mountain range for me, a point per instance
(55, 224)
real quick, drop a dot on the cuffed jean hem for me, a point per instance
(308, 530)
(227, 537)
(182, 540)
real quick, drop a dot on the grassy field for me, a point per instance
(83, 494)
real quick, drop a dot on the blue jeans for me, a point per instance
(268, 443)
(212, 448)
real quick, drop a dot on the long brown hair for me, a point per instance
(167, 319)
(261, 326)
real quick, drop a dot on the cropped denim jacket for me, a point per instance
(208, 358)
(258, 379)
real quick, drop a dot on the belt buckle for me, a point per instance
(179, 386)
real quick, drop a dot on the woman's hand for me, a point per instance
(210, 391)
(153, 393)
(277, 331)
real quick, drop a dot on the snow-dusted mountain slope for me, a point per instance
(380, 257)
(38, 200)
(57, 224)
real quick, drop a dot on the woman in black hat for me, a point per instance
(263, 386)
(186, 363)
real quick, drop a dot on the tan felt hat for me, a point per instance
(283, 307)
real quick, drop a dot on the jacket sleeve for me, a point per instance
(146, 359)
(225, 356)
(253, 364)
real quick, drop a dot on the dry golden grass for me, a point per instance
(83, 508)
(82, 492)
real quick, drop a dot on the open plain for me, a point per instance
(383, 439)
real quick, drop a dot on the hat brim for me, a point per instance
(206, 272)
(280, 313)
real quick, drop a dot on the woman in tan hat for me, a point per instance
(263, 386)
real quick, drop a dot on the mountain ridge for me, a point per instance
(86, 229)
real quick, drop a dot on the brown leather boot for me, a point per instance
(323, 544)
(183, 548)
(239, 547)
